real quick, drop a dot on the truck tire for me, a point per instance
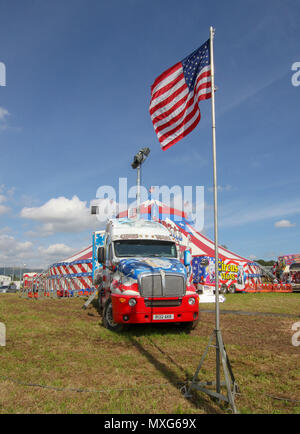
(99, 301)
(100, 298)
(108, 320)
(189, 326)
(231, 289)
(223, 289)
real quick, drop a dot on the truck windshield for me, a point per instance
(145, 248)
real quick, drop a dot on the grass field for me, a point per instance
(58, 345)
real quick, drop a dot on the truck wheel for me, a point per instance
(223, 289)
(100, 297)
(99, 301)
(108, 320)
(189, 326)
(231, 289)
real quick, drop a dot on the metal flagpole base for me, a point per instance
(230, 383)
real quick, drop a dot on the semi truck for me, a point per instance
(142, 277)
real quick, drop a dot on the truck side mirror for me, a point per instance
(100, 255)
(187, 258)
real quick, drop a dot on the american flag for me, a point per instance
(175, 95)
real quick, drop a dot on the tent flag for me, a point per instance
(175, 95)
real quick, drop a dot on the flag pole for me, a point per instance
(215, 189)
(221, 355)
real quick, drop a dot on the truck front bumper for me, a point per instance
(154, 310)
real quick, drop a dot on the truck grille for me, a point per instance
(162, 303)
(154, 285)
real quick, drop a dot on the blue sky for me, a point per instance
(74, 111)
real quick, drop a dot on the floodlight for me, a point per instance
(140, 157)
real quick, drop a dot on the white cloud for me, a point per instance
(5, 195)
(4, 230)
(56, 210)
(44, 256)
(13, 250)
(61, 215)
(56, 251)
(25, 246)
(4, 209)
(284, 224)
(3, 114)
(16, 253)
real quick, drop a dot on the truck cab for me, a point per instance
(141, 278)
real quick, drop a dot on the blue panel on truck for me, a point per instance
(98, 241)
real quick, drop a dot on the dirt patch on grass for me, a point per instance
(270, 333)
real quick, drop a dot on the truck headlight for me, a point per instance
(132, 302)
(192, 301)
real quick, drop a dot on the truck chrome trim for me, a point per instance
(164, 289)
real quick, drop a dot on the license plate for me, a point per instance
(163, 316)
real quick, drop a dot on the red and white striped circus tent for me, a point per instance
(201, 245)
(72, 276)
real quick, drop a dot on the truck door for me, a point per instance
(107, 273)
